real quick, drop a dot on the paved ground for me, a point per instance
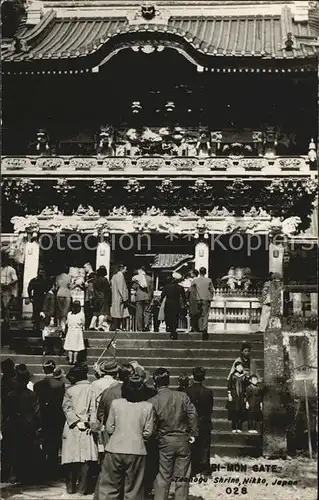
(250, 484)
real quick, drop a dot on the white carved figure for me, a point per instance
(290, 225)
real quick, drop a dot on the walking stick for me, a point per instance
(106, 348)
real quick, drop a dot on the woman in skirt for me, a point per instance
(236, 403)
(63, 299)
(74, 338)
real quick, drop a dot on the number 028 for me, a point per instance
(236, 491)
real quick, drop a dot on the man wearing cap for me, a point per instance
(50, 393)
(175, 303)
(177, 427)
(204, 295)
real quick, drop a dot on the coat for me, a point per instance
(119, 296)
(237, 384)
(202, 399)
(128, 424)
(143, 293)
(101, 296)
(204, 288)
(50, 393)
(249, 365)
(79, 405)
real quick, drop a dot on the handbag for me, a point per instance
(52, 332)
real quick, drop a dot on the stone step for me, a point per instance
(212, 363)
(212, 345)
(234, 450)
(243, 439)
(223, 336)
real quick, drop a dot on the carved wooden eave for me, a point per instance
(200, 34)
(188, 226)
(149, 167)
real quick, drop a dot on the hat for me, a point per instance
(49, 363)
(109, 366)
(58, 373)
(138, 369)
(176, 276)
(77, 373)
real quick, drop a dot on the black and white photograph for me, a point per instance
(159, 248)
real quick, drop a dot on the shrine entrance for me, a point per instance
(158, 253)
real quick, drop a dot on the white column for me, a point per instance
(314, 302)
(103, 256)
(31, 266)
(296, 302)
(202, 255)
(276, 256)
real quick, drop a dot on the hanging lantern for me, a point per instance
(312, 153)
(169, 106)
(136, 107)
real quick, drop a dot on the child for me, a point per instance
(253, 404)
(74, 338)
(237, 383)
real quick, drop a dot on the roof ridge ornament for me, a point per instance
(148, 13)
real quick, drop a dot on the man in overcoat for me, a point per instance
(176, 427)
(143, 286)
(202, 399)
(50, 392)
(119, 297)
(204, 296)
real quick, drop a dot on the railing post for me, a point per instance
(250, 314)
(225, 313)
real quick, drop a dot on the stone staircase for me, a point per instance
(152, 350)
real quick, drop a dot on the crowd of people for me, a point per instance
(124, 435)
(74, 302)
(107, 305)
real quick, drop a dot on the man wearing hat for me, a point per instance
(175, 303)
(108, 371)
(50, 392)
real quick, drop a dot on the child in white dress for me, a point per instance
(74, 341)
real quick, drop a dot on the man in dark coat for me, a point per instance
(50, 392)
(37, 290)
(175, 303)
(202, 399)
(8, 384)
(23, 421)
(176, 427)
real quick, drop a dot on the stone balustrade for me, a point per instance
(13, 165)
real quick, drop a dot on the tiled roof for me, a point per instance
(235, 36)
(170, 261)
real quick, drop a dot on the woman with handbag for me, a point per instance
(79, 445)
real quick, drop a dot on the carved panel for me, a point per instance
(50, 163)
(83, 163)
(218, 163)
(116, 163)
(15, 163)
(150, 163)
(290, 163)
